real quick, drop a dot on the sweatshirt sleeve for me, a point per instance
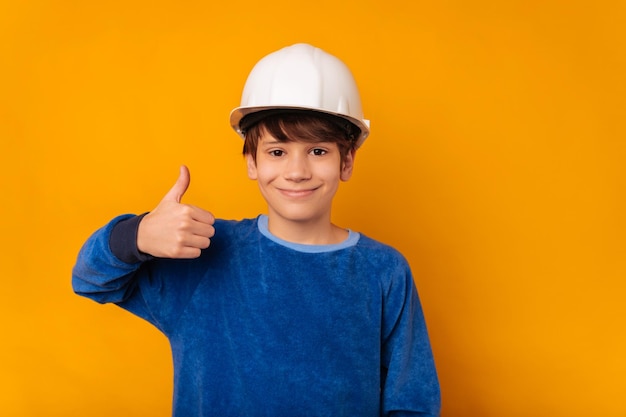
(101, 275)
(410, 386)
(123, 240)
(110, 269)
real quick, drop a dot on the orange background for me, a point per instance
(495, 164)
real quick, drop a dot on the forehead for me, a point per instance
(266, 139)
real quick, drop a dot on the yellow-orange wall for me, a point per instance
(495, 164)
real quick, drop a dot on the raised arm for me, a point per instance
(108, 260)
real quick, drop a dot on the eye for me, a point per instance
(276, 152)
(319, 151)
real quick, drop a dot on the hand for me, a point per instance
(175, 230)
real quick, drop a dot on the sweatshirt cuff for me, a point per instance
(123, 241)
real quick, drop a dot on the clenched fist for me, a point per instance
(173, 229)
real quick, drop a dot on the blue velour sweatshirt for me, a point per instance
(263, 327)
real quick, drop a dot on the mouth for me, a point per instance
(294, 193)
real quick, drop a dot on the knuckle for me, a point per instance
(179, 240)
(184, 213)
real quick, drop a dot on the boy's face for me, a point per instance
(298, 179)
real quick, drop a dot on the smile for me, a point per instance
(296, 193)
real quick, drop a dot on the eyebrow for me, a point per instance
(270, 142)
(281, 142)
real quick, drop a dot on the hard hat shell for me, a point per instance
(301, 77)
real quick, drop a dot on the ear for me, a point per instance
(251, 164)
(347, 165)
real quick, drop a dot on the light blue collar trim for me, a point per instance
(353, 238)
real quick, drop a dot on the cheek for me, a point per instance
(265, 172)
(330, 172)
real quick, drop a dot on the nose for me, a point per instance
(297, 167)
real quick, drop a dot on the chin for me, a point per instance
(298, 216)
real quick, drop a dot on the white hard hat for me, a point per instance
(301, 77)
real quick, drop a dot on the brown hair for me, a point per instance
(306, 126)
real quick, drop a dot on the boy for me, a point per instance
(286, 314)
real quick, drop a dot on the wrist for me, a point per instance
(123, 240)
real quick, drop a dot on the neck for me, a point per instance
(321, 232)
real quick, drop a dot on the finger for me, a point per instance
(182, 183)
(187, 252)
(202, 230)
(201, 215)
(199, 242)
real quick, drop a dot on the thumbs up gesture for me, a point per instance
(173, 229)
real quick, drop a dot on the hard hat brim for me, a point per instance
(246, 114)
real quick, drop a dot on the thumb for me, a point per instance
(182, 183)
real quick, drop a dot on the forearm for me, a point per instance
(105, 274)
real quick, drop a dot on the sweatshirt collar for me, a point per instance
(351, 240)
